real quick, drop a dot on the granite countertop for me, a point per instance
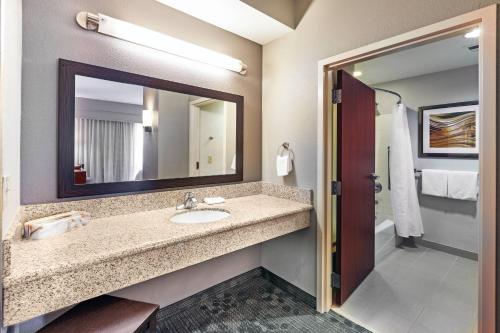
(119, 236)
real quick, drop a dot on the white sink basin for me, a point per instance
(199, 216)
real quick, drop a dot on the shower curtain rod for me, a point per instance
(390, 92)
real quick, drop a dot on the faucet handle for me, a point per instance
(189, 200)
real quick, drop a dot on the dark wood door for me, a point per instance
(355, 255)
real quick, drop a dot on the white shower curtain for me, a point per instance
(404, 200)
(108, 149)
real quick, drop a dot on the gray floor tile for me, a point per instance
(454, 304)
(417, 328)
(357, 310)
(405, 256)
(415, 285)
(418, 291)
(439, 321)
(464, 271)
(404, 304)
(389, 322)
(374, 285)
(397, 264)
(435, 263)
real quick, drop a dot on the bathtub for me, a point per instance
(385, 240)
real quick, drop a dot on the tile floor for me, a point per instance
(417, 290)
(250, 303)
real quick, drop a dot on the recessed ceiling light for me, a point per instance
(473, 34)
(357, 73)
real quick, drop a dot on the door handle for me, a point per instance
(378, 187)
(374, 176)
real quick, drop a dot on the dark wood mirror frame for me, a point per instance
(66, 132)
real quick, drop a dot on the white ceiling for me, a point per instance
(234, 16)
(88, 87)
(434, 57)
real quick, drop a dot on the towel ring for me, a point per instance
(285, 147)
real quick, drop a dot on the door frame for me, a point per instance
(486, 18)
(194, 133)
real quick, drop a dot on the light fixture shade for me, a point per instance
(139, 35)
(147, 120)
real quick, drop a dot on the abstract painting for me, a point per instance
(449, 130)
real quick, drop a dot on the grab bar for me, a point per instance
(389, 168)
(418, 173)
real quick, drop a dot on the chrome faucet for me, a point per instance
(189, 201)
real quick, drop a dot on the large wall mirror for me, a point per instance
(123, 132)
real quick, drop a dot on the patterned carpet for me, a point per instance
(250, 303)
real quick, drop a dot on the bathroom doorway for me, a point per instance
(420, 240)
(212, 143)
(329, 150)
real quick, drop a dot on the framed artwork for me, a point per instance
(449, 130)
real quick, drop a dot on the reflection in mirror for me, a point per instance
(126, 132)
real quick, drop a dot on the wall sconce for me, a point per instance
(147, 120)
(110, 26)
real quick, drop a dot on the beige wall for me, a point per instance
(289, 99)
(46, 39)
(10, 104)
(280, 10)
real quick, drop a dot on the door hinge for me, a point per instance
(335, 280)
(336, 187)
(197, 165)
(337, 96)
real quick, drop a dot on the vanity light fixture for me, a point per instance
(110, 26)
(473, 33)
(357, 73)
(147, 120)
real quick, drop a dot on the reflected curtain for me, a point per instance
(108, 149)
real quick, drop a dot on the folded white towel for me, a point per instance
(284, 164)
(435, 182)
(214, 200)
(55, 225)
(51, 228)
(463, 185)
